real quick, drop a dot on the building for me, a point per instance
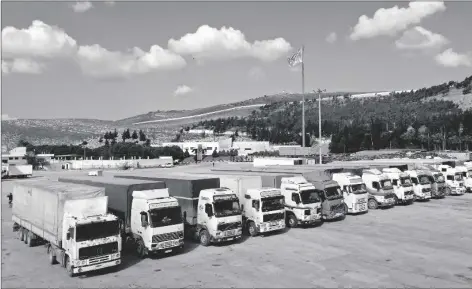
(248, 147)
(208, 147)
(16, 156)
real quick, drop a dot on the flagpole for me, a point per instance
(303, 99)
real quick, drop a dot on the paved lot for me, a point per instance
(422, 245)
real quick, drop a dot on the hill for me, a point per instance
(162, 126)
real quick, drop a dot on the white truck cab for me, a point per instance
(421, 184)
(467, 176)
(263, 210)
(402, 186)
(379, 187)
(454, 180)
(354, 192)
(219, 216)
(156, 221)
(302, 201)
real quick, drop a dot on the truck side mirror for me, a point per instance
(209, 210)
(296, 198)
(70, 234)
(255, 204)
(144, 220)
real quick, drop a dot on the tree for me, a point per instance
(84, 146)
(115, 134)
(215, 154)
(142, 136)
(148, 142)
(423, 135)
(186, 154)
(100, 140)
(134, 136)
(107, 142)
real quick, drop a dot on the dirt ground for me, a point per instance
(427, 244)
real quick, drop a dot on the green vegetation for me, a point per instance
(400, 120)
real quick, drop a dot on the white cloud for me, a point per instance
(110, 3)
(419, 38)
(227, 43)
(393, 20)
(7, 117)
(21, 65)
(82, 6)
(332, 37)
(38, 40)
(449, 58)
(256, 73)
(99, 62)
(182, 89)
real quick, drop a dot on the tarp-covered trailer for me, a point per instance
(119, 192)
(185, 188)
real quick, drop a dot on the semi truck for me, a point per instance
(467, 176)
(151, 220)
(211, 214)
(354, 192)
(16, 171)
(332, 200)
(302, 201)
(438, 184)
(402, 186)
(73, 221)
(379, 188)
(454, 180)
(421, 184)
(262, 208)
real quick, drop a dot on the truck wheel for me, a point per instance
(29, 239)
(448, 191)
(204, 238)
(140, 249)
(397, 202)
(22, 234)
(252, 229)
(25, 236)
(372, 204)
(346, 209)
(69, 268)
(52, 258)
(292, 221)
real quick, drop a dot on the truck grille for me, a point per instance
(228, 226)
(273, 217)
(98, 250)
(407, 193)
(337, 208)
(390, 196)
(167, 237)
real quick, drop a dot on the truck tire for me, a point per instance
(25, 236)
(140, 249)
(204, 238)
(397, 201)
(69, 268)
(29, 238)
(22, 234)
(372, 204)
(448, 192)
(292, 221)
(346, 209)
(252, 229)
(52, 257)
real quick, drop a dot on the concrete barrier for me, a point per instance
(117, 164)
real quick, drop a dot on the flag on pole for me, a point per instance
(296, 58)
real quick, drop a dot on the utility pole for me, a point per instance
(319, 91)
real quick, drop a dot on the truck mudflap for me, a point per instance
(98, 266)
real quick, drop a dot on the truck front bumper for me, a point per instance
(167, 246)
(98, 266)
(386, 203)
(310, 220)
(440, 193)
(458, 191)
(271, 226)
(225, 239)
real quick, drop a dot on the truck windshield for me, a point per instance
(165, 216)
(439, 178)
(386, 184)
(406, 182)
(96, 230)
(226, 208)
(272, 204)
(310, 196)
(395, 182)
(458, 177)
(333, 192)
(358, 188)
(423, 179)
(470, 173)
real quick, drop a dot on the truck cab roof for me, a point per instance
(151, 194)
(215, 191)
(263, 193)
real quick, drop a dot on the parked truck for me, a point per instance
(421, 184)
(402, 186)
(16, 171)
(302, 201)
(332, 200)
(454, 180)
(467, 176)
(211, 214)
(379, 188)
(354, 192)
(73, 221)
(438, 183)
(151, 219)
(262, 208)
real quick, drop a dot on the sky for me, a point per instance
(112, 60)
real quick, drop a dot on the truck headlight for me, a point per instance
(116, 256)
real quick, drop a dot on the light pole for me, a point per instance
(319, 91)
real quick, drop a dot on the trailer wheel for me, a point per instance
(69, 268)
(292, 221)
(29, 239)
(372, 204)
(21, 232)
(52, 257)
(252, 229)
(25, 236)
(204, 238)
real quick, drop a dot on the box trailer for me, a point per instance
(72, 219)
(152, 220)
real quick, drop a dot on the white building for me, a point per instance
(208, 147)
(249, 147)
(15, 156)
